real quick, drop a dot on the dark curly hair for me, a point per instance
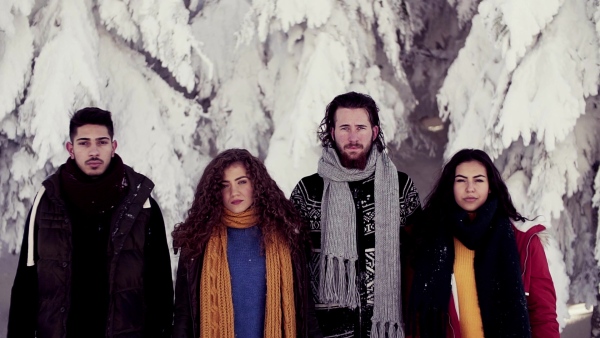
(276, 214)
(349, 100)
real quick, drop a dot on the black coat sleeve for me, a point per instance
(183, 322)
(158, 281)
(22, 316)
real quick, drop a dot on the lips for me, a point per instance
(236, 202)
(470, 199)
(94, 163)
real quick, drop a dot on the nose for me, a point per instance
(94, 151)
(470, 187)
(233, 190)
(353, 136)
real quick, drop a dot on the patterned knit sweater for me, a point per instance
(336, 321)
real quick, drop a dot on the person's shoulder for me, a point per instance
(151, 203)
(137, 178)
(403, 177)
(528, 228)
(525, 231)
(313, 180)
(309, 187)
(405, 182)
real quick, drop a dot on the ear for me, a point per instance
(375, 132)
(332, 134)
(69, 147)
(114, 147)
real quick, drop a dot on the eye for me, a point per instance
(104, 142)
(243, 181)
(82, 143)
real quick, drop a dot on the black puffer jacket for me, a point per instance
(140, 288)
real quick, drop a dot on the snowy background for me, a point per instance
(188, 79)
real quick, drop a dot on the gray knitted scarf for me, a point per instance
(337, 283)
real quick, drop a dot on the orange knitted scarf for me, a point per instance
(216, 302)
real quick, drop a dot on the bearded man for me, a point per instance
(356, 204)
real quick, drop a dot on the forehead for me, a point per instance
(471, 168)
(352, 116)
(92, 131)
(234, 171)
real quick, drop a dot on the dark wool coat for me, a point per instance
(538, 285)
(307, 196)
(140, 289)
(187, 299)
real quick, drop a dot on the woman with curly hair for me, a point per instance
(242, 267)
(475, 273)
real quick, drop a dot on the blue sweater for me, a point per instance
(248, 281)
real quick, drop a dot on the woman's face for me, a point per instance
(237, 189)
(471, 186)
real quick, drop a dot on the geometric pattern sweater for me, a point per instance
(338, 321)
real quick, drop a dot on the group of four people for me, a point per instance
(350, 254)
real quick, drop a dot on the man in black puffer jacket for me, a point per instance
(94, 261)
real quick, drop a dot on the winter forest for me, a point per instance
(186, 79)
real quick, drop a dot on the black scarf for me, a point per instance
(497, 274)
(93, 195)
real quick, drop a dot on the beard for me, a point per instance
(359, 162)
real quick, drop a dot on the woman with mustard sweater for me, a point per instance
(475, 274)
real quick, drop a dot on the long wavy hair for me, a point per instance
(276, 214)
(350, 100)
(441, 202)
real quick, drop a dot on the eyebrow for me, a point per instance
(463, 176)
(348, 124)
(237, 179)
(88, 138)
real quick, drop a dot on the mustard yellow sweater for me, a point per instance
(468, 306)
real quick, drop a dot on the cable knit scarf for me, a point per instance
(497, 274)
(216, 302)
(337, 284)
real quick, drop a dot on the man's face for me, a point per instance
(92, 149)
(353, 136)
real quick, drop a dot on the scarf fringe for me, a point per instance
(337, 284)
(386, 329)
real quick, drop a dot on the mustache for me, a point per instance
(355, 145)
(94, 159)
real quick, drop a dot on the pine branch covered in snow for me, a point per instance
(159, 27)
